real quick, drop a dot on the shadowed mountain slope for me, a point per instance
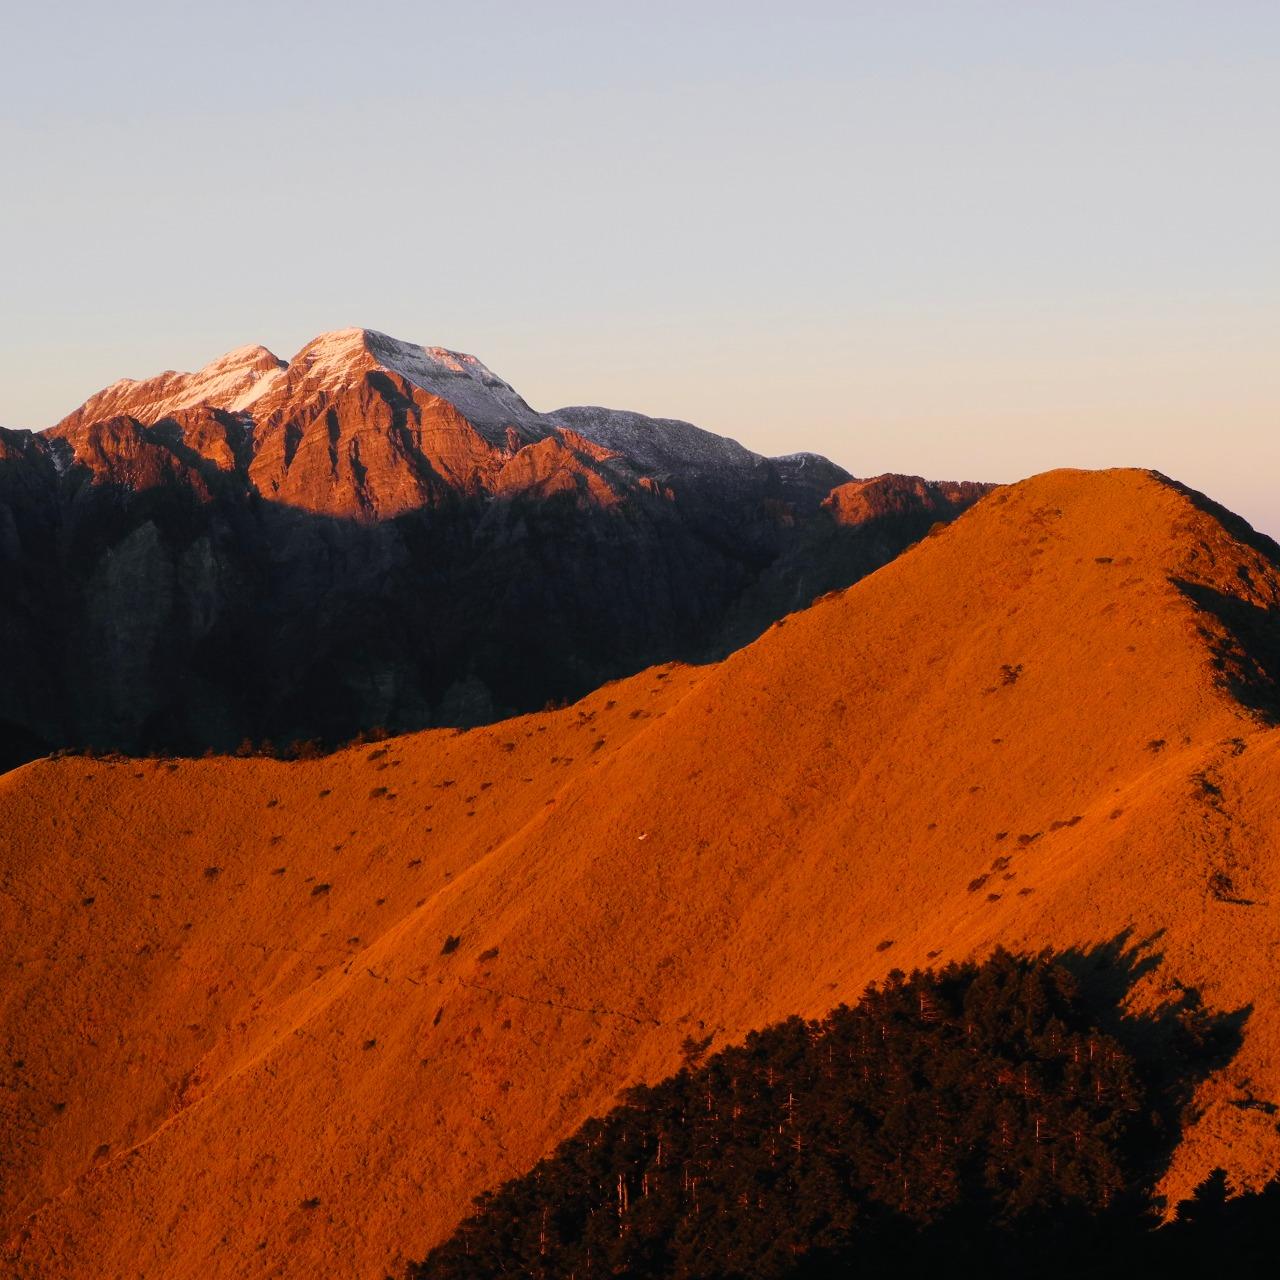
(266, 1018)
(378, 534)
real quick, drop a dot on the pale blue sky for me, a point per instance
(966, 239)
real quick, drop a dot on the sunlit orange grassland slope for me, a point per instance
(264, 1018)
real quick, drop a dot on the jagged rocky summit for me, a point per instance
(379, 534)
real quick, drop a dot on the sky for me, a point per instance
(964, 239)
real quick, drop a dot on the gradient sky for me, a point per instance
(969, 240)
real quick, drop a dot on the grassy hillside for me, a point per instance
(263, 1016)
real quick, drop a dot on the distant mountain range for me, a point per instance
(378, 534)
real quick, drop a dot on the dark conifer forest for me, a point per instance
(978, 1119)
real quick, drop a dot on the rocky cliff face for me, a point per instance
(381, 534)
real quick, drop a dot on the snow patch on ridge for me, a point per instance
(233, 381)
(237, 380)
(801, 459)
(658, 445)
(481, 396)
(63, 455)
(654, 445)
(485, 400)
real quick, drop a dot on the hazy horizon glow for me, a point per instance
(966, 240)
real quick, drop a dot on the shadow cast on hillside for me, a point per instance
(880, 1139)
(1237, 526)
(1179, 1041)
(1179, 1044)
(170, 607)
(1246, 640)
(164, 620)
(1245, 645)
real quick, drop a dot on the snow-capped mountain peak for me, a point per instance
(234, 382)
(483, 398)
(331, 430)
